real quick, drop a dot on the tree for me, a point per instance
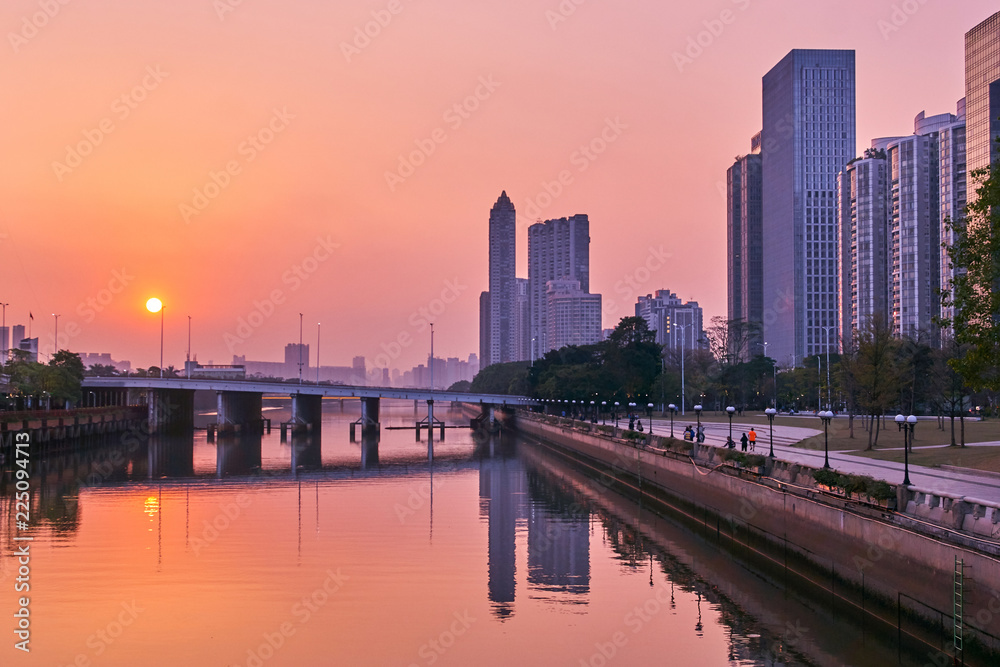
(632, 358)
(975, 286)
(461, 385)
(102, 370)
(874, 370)
(497, 378)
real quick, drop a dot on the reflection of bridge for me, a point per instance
(171, 401)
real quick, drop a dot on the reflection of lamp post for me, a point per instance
(154, 305)
(770, 412)
(906, 425)
(729, 411)
(826, 416)
(673, 409)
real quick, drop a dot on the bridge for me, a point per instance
(171, 400)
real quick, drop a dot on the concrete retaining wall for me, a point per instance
(865, 546)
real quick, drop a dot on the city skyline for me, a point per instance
(208, 175)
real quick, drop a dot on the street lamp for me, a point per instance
(593, 412)
(154, 305)
(774, 372)
(729, 411)
(55, 342)
(649, 413)
(826, 416)
(604, 412)
(673, 409)
(616, 414)
(906, 425)
(683, 328)
(770, 412)
(697, 411)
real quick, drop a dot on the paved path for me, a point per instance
(934, 479)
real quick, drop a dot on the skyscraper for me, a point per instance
(808, 137)
(678, 325)
(982, 96)
(557, 250)
(573, 316)
(503, 283)
(745, 241)
(952, 153)
(522, 321)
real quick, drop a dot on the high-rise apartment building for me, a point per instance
(894, 203)
(953, 179)
(503, 284)
(863, 227)
(573, 316)
(557, 250)
(522, 321)
(678, 324)
(808, 137)
(982, 96)
(745, 241)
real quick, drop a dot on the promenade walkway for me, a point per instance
(973, 484)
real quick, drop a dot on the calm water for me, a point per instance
(195, 553)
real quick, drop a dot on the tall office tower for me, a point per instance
(557, 250)
(4, 343)
(16, 336)
(863, 229)
(503, 283)
(677, 324)
(951, 151)
(293, 359)
(982, 96)
(573, 317)
(745, 240)
(807, 139)
(522, 322)
(484, 328)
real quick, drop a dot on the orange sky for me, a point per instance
(309, 118)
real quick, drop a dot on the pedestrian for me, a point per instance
(729, 442)
(752, 435)
(743, 442)
(701, 433)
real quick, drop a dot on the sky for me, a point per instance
(246, 161)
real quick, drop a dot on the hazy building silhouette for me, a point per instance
(677, 324)
(808, 137)
(573, 317)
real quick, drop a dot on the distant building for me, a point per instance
(557, 250)
(104, 359)
(17, 335)
(501, 333)
(29, 345)
(4, 342)
(296, 356)
(522, 322)
(678, 325)
(194, 370)
(573, 316)
(484, 328)
(954, 194)
(355, 374)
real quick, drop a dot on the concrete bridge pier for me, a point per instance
(170, 410)
(369, 417)
(306, 451)
(369, 451)
(238, 411)
(307, 413)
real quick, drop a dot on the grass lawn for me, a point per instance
(978, 458)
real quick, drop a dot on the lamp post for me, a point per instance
(319, 328)
(154, 305)
(697, 411)
(774, 375)
(55, 341)
(604, 412)
(906, 425)
(729, 411)
(829, 395)
(673, 409)
(432, 356)
(6, 334)
(682, 327)
(593, 412)
(649, 417)
(826, 416)
(770, 412)
(616, 414)
(300, 348)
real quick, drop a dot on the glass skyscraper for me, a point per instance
(982, 96)
(808, 137)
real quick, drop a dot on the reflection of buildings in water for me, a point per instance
(558, 542)
(558, 535)
(502, 496)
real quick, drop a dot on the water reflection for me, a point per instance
(548, 556)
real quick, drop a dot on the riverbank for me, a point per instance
(866, 550)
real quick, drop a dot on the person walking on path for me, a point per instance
(743, 442)
(752, 436)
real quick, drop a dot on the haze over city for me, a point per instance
(240, 157)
